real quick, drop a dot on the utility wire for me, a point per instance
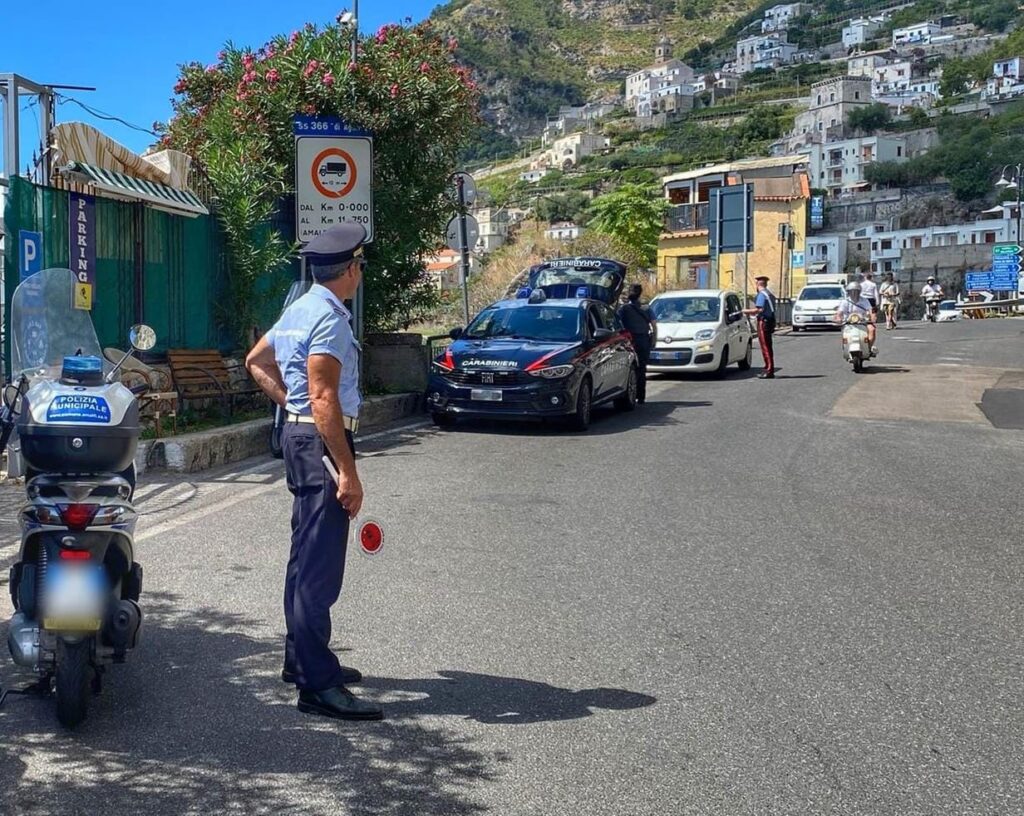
(109, 117)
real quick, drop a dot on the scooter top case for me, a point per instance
(79, 424)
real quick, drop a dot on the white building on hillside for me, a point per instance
(888, 246)
(865, 65)
(667, 77)
(918, 33)
(567, 152)
(534, 175)
(862, 30)
(1007, 78)
(839, 166)
(563, 231)
(573, 118)
(493, 229)
(768, 51)
(826, 254)
(777, 17)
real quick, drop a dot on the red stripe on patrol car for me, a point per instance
(540, 362)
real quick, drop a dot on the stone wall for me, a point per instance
(879, 206)
(395, 362)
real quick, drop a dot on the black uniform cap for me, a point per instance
(333, 247)
(763, 278)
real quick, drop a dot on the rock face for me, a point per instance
(533, 56)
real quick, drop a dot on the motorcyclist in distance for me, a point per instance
(856, 303)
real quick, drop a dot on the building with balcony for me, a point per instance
(777, 18)
(884, 250)
(572, 118)
(825, 254)
(442, 269)
(781, 194)
(865, 64)
(839, 166)
(769, 51)
(1007, 78)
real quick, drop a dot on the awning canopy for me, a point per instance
(118, 185)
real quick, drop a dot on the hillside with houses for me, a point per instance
(896, 118)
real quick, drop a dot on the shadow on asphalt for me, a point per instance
(884, 369)
(199, 722)
(501, 700)
(652, 414)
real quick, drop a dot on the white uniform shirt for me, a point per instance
(861, 307)
(869, 289)
(931, 289)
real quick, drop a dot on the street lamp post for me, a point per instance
(1004, 184)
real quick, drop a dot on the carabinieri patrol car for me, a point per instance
(556, 350)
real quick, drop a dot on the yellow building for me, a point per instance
(781, 196)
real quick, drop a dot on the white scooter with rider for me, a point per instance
(933, 295)
(857, 317)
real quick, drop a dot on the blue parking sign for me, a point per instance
(30, 253)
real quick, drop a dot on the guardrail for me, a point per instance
(435, 345)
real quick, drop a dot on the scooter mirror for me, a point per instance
(142, 337)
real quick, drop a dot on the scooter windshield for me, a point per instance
(46, 327)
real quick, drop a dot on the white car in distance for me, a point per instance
(816, 305)
(700, 330)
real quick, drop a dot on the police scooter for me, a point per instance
(76, 584)
(856, 349)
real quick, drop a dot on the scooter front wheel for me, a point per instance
(73, 685)
(858, 363)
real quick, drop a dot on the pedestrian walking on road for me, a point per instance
(642, 327)
(869, 289)
(764, 309)
(308, 363)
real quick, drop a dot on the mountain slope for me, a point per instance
(532, 56)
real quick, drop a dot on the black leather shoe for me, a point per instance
(349, 676)
(339, 703)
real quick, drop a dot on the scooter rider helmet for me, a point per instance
(931, 279)
(853, 288)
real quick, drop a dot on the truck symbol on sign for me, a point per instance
(333, 169)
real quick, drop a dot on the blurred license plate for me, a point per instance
(819, 318)
(486, 394)
(667, 355)
(74, 598)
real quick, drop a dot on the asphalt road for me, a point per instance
(799, 596)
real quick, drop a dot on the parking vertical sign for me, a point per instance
(333, 176)
(30, 253)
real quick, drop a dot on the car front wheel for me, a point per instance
(744, 362)
(584, 404)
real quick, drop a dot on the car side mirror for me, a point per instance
(603, 334)
(455, 333)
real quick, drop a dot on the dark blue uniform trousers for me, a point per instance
(316, 566)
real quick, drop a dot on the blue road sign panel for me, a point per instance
(731, 219)
(993, 281)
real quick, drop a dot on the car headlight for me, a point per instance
(705, 334)
(798, 308)
(552, 372)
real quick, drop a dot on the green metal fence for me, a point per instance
(165, 270)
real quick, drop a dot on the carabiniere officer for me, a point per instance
(309, 364)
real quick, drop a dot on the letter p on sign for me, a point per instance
(31, 252)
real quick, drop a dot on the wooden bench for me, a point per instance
(203, 374)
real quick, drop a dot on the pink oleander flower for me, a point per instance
(273, 76)
(424, 67)
(452, 43)
(211, 69)
(221, 55)
(328, 79)
(310, 69)
(248, 60)
(353, 66)
(294, 38)
(395, 91)
(181, 86)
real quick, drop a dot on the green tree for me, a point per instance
(956, 78)
(235, 118)
(633, 215)
(870, 118)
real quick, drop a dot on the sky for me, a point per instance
(129, 51)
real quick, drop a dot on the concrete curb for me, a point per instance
(191, 453)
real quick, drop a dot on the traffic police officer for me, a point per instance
(308, 363)
(764, 308)
(642, 328)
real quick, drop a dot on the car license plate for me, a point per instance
(485, 394)
(73, 598)
(819, 318)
